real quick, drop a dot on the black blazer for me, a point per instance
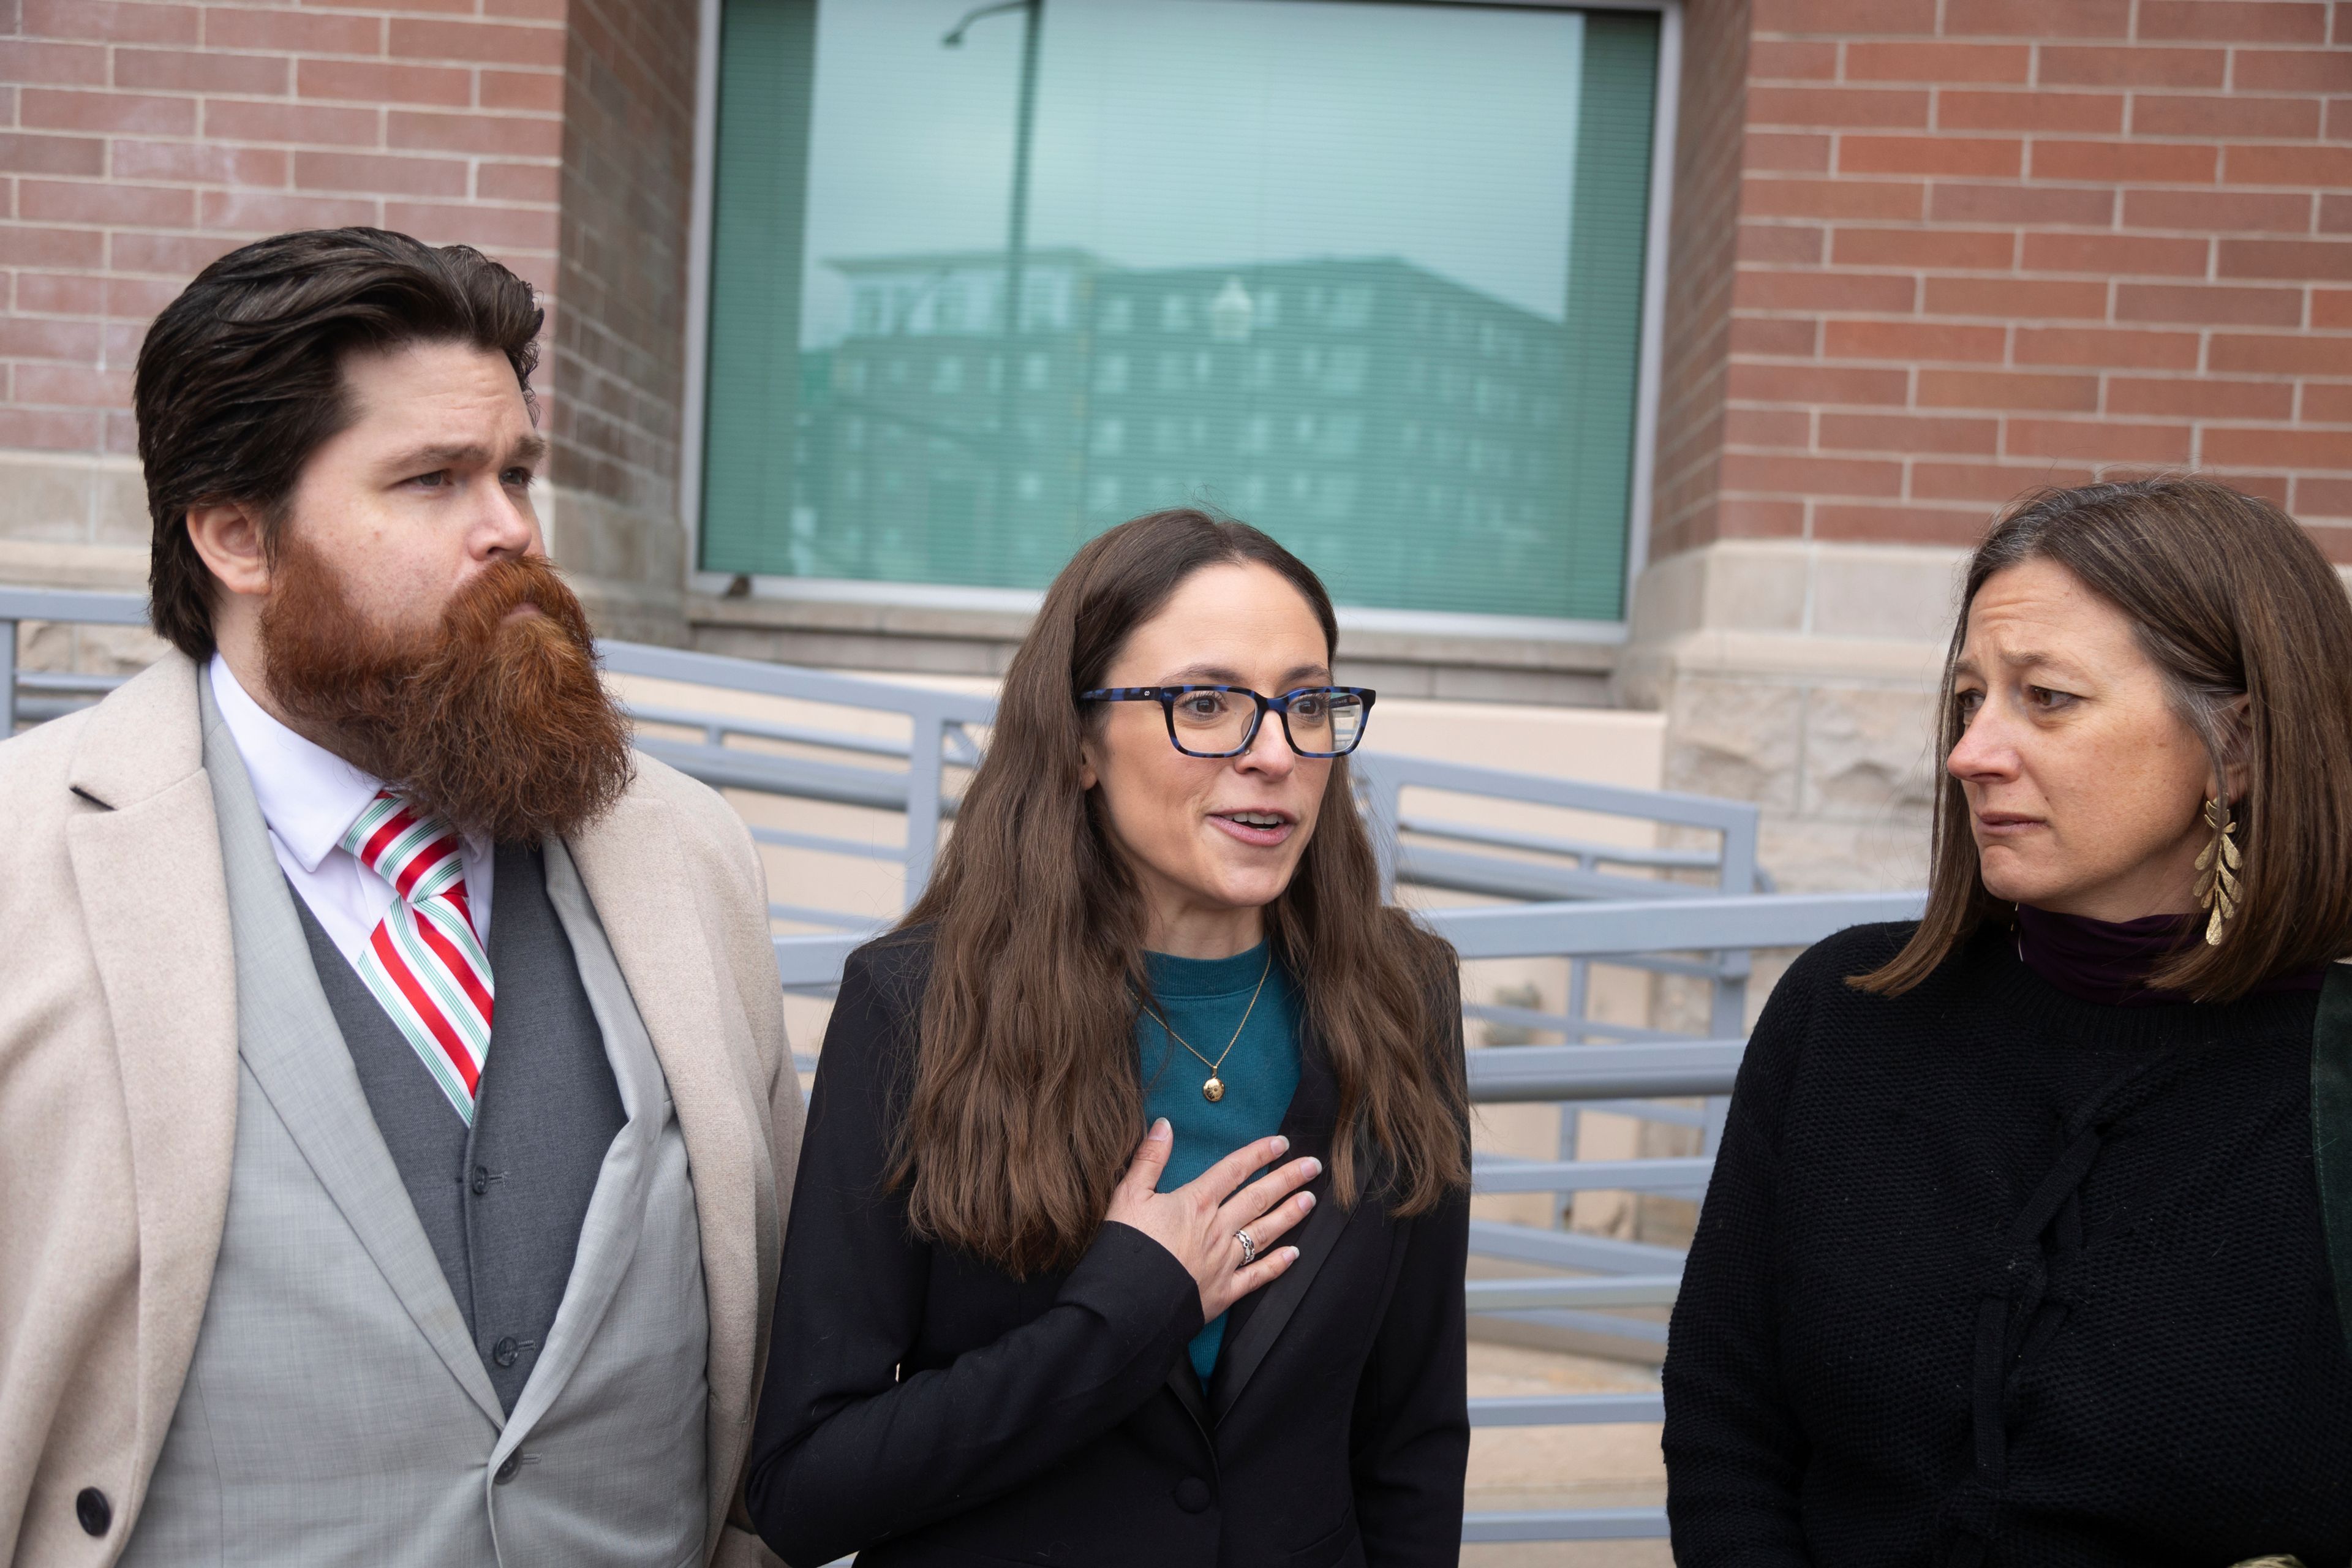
(922, 1406)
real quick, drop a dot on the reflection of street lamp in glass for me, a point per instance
(1016, 232)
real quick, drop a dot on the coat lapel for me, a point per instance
(630, 861)
(290, 1043)
(1185, 1385)
(1259, 1319)
(616, 1220)
(147, 871)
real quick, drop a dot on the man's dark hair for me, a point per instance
(240, 379)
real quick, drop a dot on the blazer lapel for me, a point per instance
(629, 861)
(616, 1220)
(1259, 1319)
(1185, 1385)
(290, 1042)
(147, 871)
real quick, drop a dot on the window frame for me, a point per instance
(1649, 366)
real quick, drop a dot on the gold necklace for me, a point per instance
(1214, 1089)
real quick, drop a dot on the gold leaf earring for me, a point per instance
(2217, 870)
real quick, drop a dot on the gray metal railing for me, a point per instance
(1691, 910)
(32, 697)
(940, 738)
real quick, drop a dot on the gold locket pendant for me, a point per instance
(1214, 1089)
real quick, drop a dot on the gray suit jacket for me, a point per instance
(119, 1092)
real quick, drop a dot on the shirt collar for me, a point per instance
(308, 795)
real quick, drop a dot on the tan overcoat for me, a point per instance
(118, 1090)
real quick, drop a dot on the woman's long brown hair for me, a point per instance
(2229, 600)
(1027, 1098)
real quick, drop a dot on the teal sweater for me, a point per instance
(1203, 999)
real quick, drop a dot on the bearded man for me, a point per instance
(344, 1221)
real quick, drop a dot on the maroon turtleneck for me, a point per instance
(2109, 961)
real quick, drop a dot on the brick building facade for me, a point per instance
(144, 138)
(1924, 255)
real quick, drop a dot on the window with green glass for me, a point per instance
(984, 282)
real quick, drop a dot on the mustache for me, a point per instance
(478, 610)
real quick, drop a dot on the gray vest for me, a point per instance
(501, 1201)
(343, 1406)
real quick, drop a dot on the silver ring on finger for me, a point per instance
(1249, 1249)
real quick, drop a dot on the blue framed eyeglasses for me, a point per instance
(1222, 720)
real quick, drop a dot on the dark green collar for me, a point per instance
(1187, 979)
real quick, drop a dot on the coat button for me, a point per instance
(507, 1469)
(1193, 1494)
(504, 1351)
(482, 1182)
(95, 1512)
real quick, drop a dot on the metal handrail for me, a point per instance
(948, 718)
(1562, 904)
(1584, 851)
(933, 717)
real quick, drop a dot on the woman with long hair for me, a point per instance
(1133, 1203)
(2014, 1251)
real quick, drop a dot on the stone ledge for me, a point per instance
(106, 568)
(867, 617)
(72, 497)
(1565, 664)
(1809, 587)
(1777, 657)
(1576, 648)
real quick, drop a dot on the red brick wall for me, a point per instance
(627, 183)
(139, 139)
(1703, 229)
(1985, 244)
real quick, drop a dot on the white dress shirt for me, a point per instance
(310, 798)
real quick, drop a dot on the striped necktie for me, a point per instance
(422, 961)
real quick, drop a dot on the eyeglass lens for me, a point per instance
(1215, 724)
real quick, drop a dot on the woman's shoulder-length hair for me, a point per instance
(1027, 1102)
(2231, 600)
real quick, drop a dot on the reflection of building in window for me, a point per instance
(1351, 407)
(1045, 301)
(1232, 312)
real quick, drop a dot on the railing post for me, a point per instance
(1728, 1011)
(1382, 797)
(7, 679)
(1726, 1019)
(924, 767)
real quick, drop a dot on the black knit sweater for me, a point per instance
(1989, 1275)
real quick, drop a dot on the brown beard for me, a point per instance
(499, 727)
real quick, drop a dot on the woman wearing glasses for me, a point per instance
(1133, 1203)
